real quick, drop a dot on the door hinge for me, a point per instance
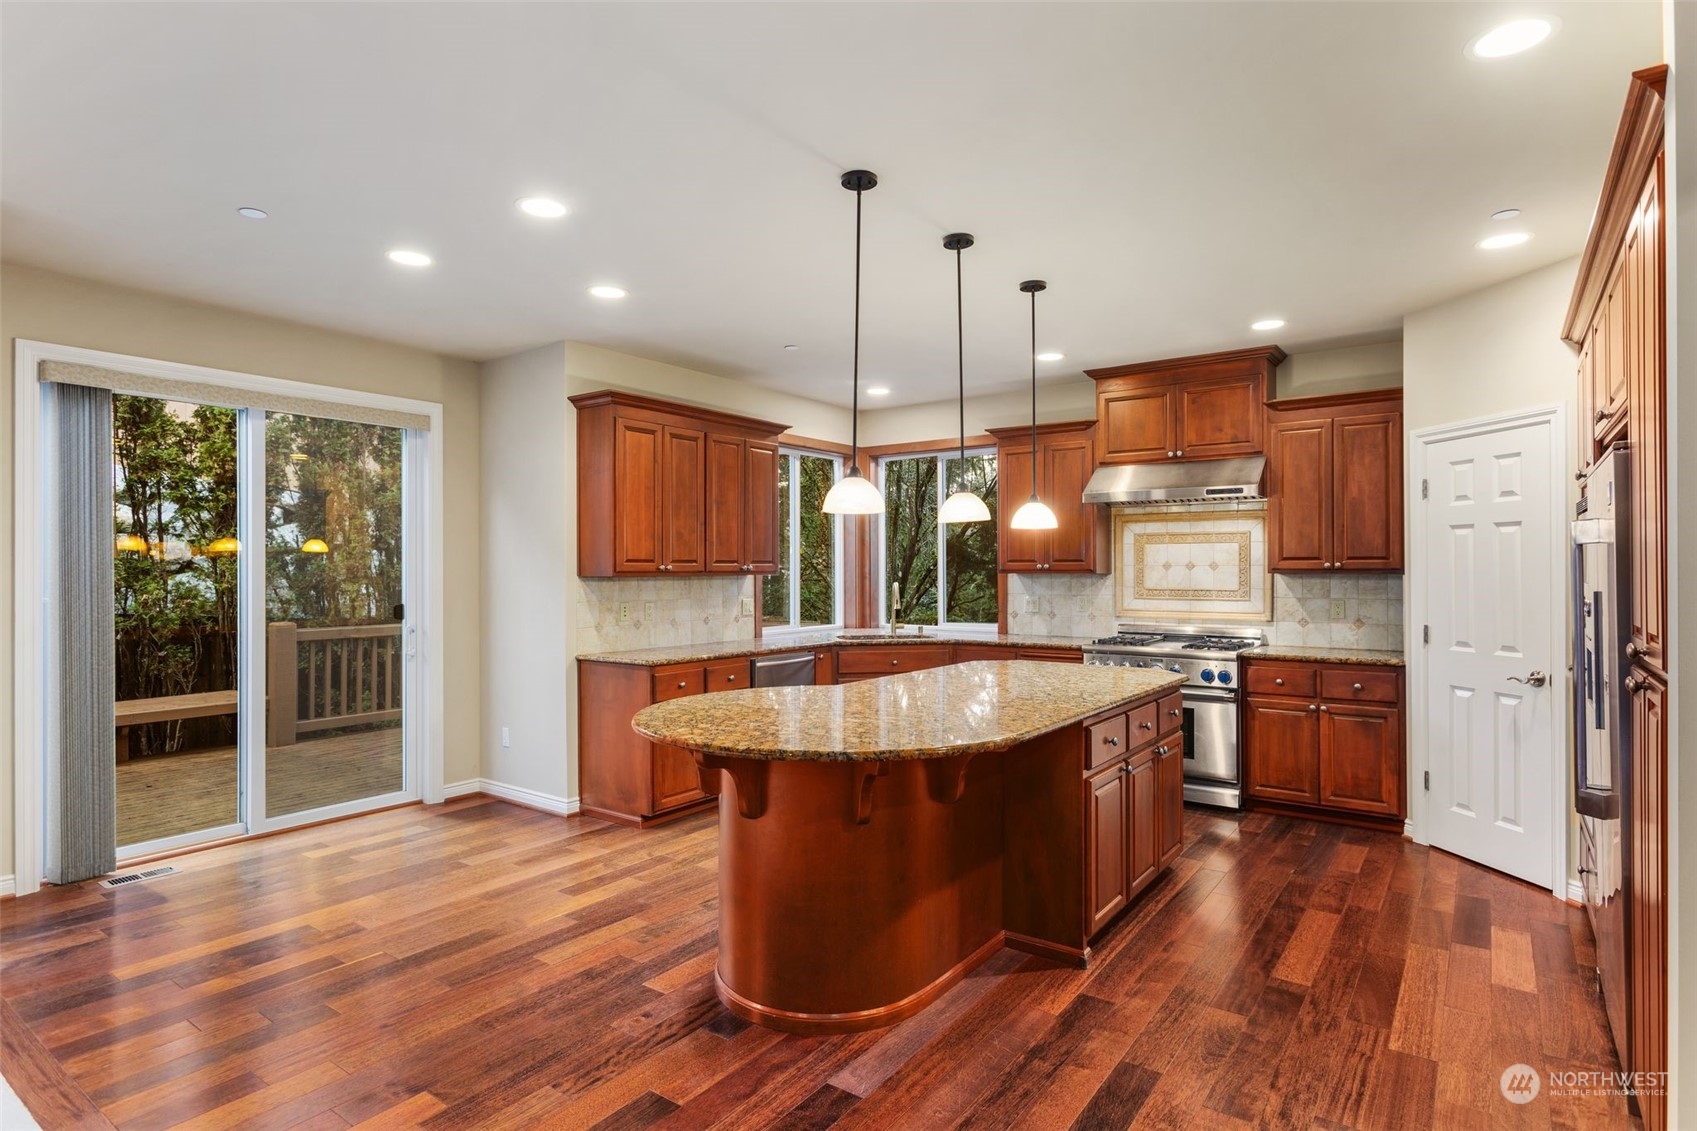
(1425, 634)
(1428, 780)
(1425, 489)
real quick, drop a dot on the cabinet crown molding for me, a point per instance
(1637, 142)
(620, 399)
(1222, 364)
(1386, 398)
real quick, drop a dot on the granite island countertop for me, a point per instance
(1313, 653)
(960, 709)
(732, 649)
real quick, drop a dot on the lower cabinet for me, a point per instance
(1325, 740)
(871, 662)
(1134, 818)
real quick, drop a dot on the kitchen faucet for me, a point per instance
(895, 608)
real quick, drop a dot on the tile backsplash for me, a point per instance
(1354, 610)
(686, 610)
(1047, 604)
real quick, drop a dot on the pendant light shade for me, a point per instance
(1035, 514)
(963, 505)
(854, 493)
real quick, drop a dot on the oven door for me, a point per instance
(1210, 735)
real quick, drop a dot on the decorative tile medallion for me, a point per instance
(1198, 566)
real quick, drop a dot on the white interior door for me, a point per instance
(1492, 550)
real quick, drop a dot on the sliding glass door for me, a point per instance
(261, 584)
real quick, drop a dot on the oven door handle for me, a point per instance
(1207, 696)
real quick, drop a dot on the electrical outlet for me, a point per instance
(748, 606)
(624, 612)
(506, 737)
(648, 612)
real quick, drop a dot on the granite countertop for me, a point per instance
(960, 709)
(1315, 654)
(731, 649)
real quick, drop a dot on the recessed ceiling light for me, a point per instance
(252, 213)
(1506, 214)
(792, 347)
(1511, 38)
(542, 207)
(1050, 356)
(877, 390)
(1507, 239)
(1268, 324)
(604, 291)
(407, 258)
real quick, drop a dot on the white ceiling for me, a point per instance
(1173, 170)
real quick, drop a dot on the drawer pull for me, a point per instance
(732, 677)
(1111, 741)
(1278, 681)
(895, 663)
(1146, 726)
(682, 685)
(1174, 712)
(1357, 686)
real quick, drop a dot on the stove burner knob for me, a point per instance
(1174, 668)
(1225, 677)
(1207, 676)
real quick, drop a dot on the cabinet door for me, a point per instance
(1647, 963)
(1646, 429)
(761, 496)
(638, 541)
(1143, 823)
(1613, 359)
(1282, 737)
(1068, 463)
(1299, 494)
(725, 513)
(1220, 418)
(1367, 492)
(683, 495)
(673, 778)
(1137, 425)
(1017, 551)
(1169, 788)
(1107, 844)
(1361, 758)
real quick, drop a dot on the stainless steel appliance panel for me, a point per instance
(791, 669)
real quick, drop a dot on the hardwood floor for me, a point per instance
(484, 965)
(166, 795)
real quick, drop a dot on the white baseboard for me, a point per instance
(1576, 891)
(8, 885)
(518, 795)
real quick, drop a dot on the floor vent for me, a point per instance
(135, 877)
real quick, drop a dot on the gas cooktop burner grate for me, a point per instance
(1129, 639)
(1219, 644)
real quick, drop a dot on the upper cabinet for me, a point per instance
(1334, 482)
(1205, 407)
(1066, 456)
(670, 489)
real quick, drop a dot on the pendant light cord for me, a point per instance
(854, 425)
(1033, 395)
(960, 354)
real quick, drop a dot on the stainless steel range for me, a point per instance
(1207, 658)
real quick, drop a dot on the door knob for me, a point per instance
(1536, 679)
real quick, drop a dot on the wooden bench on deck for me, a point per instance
(167, 709)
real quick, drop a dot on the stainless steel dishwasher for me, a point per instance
(789, 669)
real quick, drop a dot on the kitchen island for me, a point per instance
(878, 840)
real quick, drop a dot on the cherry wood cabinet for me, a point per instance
(1325, 740)
(1617, 321)
(1066, 457)
(869, 661)
(1169, 792)
(672, 489)
(1109, 842)
(1209, 406)
(1134, 805)
(1334, 482)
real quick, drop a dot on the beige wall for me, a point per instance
(1348, 369)
(44, 306)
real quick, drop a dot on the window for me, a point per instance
(806, 592)
(947, 573)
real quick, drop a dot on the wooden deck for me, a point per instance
(481, 965)
(171, 794)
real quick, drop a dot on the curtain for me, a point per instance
(82, 773)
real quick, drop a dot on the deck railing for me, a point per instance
(323, 678)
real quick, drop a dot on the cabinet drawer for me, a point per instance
(1145, 724)
(1051, 655)
(1349, 685)
(966, 653)
(676, 682)
(728, 675)
(1106, 741)
(1280, 679)
(883, 661)
(1169, 713)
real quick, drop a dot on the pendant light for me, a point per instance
(854, 493)
(963, 505)
(1035, 514)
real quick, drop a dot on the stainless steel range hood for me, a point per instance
(1190, 481)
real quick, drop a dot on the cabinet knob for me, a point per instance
(1633, 684)
(1601, 415)
(1580, 476)
(1112, 741)
(1146, 726)
(1326, 565)
(1170, 455)
(682, 685)
(1180, 452)
(1357, 686)
(894, 663)
(1174, 712)
(732, 677)
(1632, 649)
(1125, 767)
(1313, 707)
(1323, 707)
(1278, 681)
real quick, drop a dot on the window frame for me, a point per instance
(942, 458)
(792, 566)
